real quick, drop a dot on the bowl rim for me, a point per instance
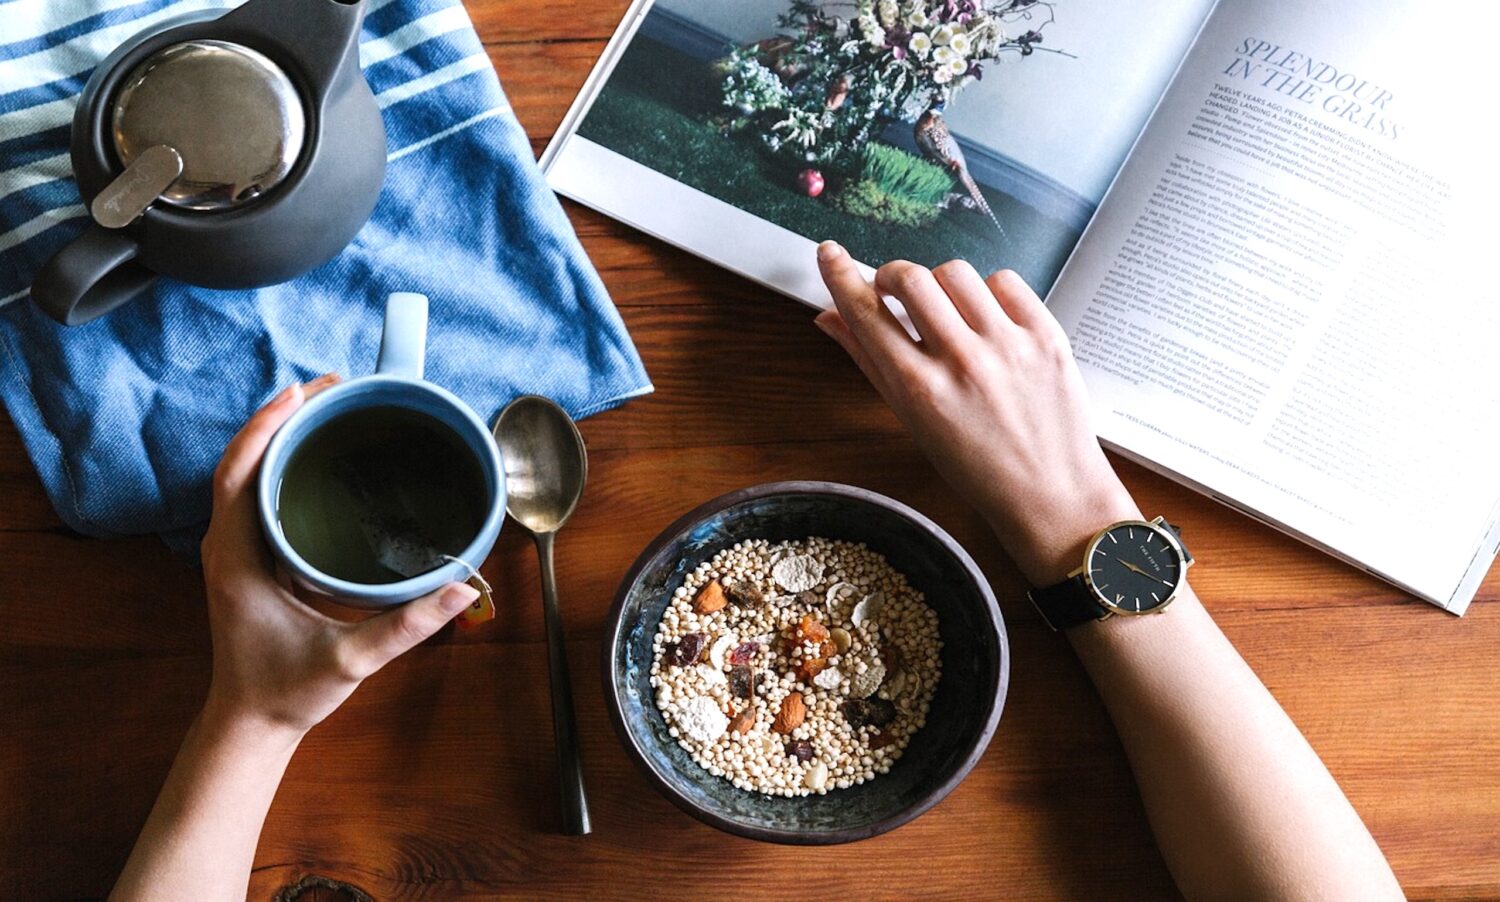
(976, 747)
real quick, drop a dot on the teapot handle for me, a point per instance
(321, 36)
(91, 276)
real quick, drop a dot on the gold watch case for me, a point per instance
(1159, 526)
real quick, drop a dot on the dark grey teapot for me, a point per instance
(229, 152)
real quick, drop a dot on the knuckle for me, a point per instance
(953, 269)
(349, 662)
(912, 278)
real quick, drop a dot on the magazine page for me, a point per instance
(748, 130)
(1283, 298)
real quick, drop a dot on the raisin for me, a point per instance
(689, 649)
(882, 739)
(868, 712)
(800, 749)
(744, 652)
(741, 681)
(810, 599)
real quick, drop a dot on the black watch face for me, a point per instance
(1134, 568)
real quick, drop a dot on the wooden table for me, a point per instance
(436, 779)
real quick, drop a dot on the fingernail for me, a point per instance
(822, 326)
(325, 379)
(457, 597)
(829, 250)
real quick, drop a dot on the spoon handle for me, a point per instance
(575, 806)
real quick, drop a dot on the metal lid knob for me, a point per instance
(233, 116)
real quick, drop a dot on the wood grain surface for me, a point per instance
(436, 780)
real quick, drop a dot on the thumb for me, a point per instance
(380, 639)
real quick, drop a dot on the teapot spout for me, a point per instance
(318, 38)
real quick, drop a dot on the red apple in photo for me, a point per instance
(811, 182)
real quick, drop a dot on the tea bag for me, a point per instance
(398, 540)
(388, 519)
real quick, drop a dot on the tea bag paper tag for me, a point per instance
(483, 608)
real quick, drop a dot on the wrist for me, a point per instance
(1050, 544)
(223, 721)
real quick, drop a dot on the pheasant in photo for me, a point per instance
(939, 145)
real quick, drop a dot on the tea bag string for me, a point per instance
(474, 573)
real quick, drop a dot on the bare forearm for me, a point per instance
(200, 838)
(1241, 805)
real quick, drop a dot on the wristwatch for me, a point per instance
(1129, 568)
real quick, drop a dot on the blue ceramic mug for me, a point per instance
(397, 382)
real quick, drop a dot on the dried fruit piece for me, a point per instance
(868, 712)
(745, 595)
(793, 712)
(710, 598)
(797, 572)
(890, 655)
(810, 630)
(808, 599)
(744, 653)
(817, 776)
(687, 650)
(701, 719)
(841, 639)
(863, 683)
(882, 739)
(743, 721)
(741, 681)
(810, 667)
(828, 649)
(720, 646)
(800, 749)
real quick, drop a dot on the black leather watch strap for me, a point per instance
(1068, 603)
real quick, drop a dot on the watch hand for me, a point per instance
(1134, 569)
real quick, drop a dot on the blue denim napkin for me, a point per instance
(126, 417)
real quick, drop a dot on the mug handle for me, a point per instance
(403, 341)
(90, 276)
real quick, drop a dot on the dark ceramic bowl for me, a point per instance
(965, 709)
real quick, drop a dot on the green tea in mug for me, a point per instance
(381, 494)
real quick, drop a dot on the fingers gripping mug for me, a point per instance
(386, 487)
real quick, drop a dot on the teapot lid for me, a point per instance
(232, 114)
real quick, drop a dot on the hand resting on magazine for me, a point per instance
(1240, 804)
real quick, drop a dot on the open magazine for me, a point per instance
(1261, 223)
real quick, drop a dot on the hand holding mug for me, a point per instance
(278, 661)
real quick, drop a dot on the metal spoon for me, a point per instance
(545, 469)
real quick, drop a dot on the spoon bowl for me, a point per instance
(545, 463)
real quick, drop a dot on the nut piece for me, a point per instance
(817, 776)
(829, 679)
(720, 646)
(743, 721)
(793, 712)
(841, 639)
(710, 598)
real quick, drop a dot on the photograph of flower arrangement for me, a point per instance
(831, 119)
